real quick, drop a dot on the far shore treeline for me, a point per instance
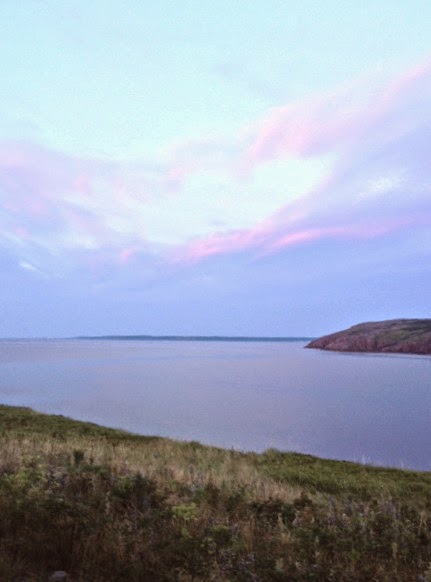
(191, 338)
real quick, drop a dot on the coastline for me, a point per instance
(401, 336)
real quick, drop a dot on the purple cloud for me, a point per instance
(60, 202)
(336, 119)
(377, 140)
(380, 178)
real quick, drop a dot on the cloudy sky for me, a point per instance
(200, 167)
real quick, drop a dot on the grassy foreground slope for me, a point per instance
(105, 505)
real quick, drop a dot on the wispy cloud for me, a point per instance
(205, 197)
(337, 119)
(379, 181)
(60, 202)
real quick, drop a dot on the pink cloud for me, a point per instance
(330, 121)
(358, 231)
(385, 142)
(269, 240)
(61, 200)
(57, 201)
(216, 244)
(127, 254)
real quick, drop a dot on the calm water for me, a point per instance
(251, 396)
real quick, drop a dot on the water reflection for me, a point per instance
(244, 395)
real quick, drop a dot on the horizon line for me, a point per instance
(180, 337)
(169, 337)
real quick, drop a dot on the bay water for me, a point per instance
(247, 395)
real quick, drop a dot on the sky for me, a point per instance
(213, 168)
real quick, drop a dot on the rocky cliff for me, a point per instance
(407, 336)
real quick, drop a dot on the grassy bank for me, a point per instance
(106, 505)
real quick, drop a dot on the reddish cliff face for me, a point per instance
(407, 336)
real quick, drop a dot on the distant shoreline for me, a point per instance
(189, 338)
(161, 338)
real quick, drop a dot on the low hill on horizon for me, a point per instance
(405, 336)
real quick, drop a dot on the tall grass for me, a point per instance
(106, 505)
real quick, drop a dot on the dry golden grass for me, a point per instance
(106, 505)
(161, 460)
